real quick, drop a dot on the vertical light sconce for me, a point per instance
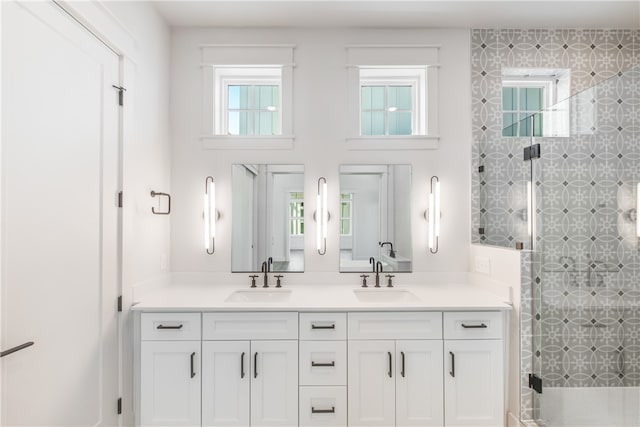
(433, 215)
(322, 216)
(638, 210)
(210, 214)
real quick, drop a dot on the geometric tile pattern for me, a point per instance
(580, 316)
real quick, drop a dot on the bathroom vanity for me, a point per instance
(320, 356)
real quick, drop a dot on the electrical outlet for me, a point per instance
(483, 265)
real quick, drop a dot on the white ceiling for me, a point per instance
(400, 13)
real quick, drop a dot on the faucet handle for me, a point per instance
(390, 283)
(253, 280)
(364, 280)
(278, 277)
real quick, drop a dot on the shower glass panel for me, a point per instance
(585, 263)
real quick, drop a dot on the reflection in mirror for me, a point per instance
(268, 217)
(375, 217)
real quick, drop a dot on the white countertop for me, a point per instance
(308, 297)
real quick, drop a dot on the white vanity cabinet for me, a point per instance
(251, 380)
(395, 369)
(474, 369)
(170, 369)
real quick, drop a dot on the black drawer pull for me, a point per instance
(323, 411)
(169, 327)
(332, 326)
(480, 326)
(331, 364)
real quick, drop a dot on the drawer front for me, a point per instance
(323, 326)
(323, 406)
(323, 363)
(170, 326)
(473, 325)
(250, 326)
(390, 326)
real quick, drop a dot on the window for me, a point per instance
(520, 103)
(296, 214)
(346, 214)
(248, 101)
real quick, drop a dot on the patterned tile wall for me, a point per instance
(581, 286)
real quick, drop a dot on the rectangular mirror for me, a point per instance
(268, 217)
(375, 217)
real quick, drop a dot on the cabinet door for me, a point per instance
(226, 380)
(371, 391)
(274, 383)
(419, 383)
(170, 383)
(474, 383)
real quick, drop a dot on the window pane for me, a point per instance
(400, 97)
(377, 98)
(243, 97)
(525, 120)
(365, 124)
(509, 102)
(400, 123)
(243, 127)
(531, 99)
(234, 123)
(266, 97)
(365, 98)
(264, 122)
(509, 127)
(345, 228)
(233, 97)
(344, 210)
(377, 122)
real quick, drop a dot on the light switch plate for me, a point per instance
(483, 265)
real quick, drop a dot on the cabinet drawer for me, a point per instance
(170, 326)
(250, 326)
(473, 325)
(390, 326)
(323, 406)
(323, 362)
(323, 326)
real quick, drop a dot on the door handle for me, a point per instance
(390, 367)
(452, 372)
(192, 360)
(242, 365)
(16, 348)
(402, 359)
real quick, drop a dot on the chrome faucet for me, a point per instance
(378, 271)
(392, 253)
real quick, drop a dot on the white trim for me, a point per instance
(212, 65)
(378, 46)
(409, 142)
(214, 45)
(247, 142)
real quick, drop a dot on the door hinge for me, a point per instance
(119, 406)
(535, 382)
(121, 91)
(120, 303)
(481, 169)
(120, 201)
(532, 152)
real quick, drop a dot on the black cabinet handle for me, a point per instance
(323, 411)
(242, 365)
(169, 327)
(331, 364)
(332, 326)
(193, 372)
(452, 372)
(480, 326)
(255, 365)
(402, 358)
(16, 348)
(390, 367)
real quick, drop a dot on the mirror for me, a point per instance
(268, 217)
(375, 217)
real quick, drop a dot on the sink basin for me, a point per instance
(385, 295)
(260, 295)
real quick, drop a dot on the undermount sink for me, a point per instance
(260, 295)
(385, 295)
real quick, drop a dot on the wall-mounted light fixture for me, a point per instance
(322, 216)
(433, 215)
(529, 209)
(638, 210)
(210, 215)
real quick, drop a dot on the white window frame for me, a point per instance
(350, 218)
(395, 63)
(225, 77)
(295, 218)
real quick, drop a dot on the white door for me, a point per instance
(60, 280)
(371, 391)
(170, 380)
(226, 381)
(274, 383)
(474, 383)
(419, 383)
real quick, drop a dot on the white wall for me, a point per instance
(365, 233)
(320, 100)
